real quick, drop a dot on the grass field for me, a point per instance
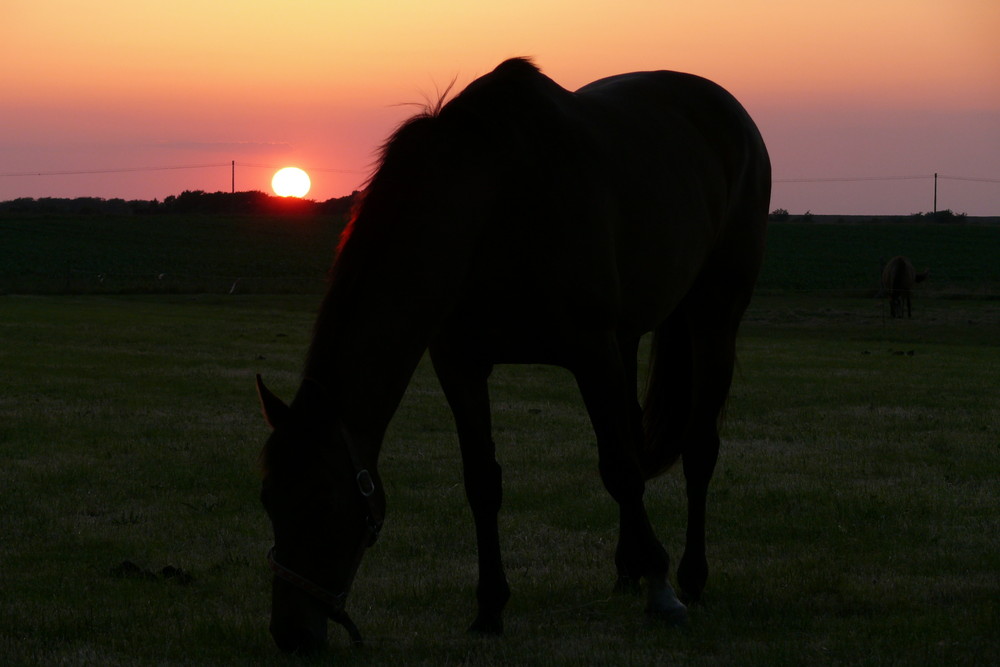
(852, 520)
(853, 517)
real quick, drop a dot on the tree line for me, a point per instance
(945, 216)
(189, 202)
(255, 202)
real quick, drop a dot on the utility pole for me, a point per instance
(234, 183)
(935, 193)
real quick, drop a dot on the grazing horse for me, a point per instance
(524, 223)
(898, 279)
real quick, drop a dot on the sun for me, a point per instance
(290, 182)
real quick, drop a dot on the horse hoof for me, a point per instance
(664, 606)
(691, 577)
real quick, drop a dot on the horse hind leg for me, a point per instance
(694, 358)
(608, 389)
(714, 356)
(628, 582)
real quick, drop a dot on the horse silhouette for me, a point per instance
(898, 279)
(524, 223)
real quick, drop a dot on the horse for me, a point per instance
(521, 222)
(898, 280)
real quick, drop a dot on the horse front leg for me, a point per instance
(465, 387)
(608, 390)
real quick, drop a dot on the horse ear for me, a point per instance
(275, 411)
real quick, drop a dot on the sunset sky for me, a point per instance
(153, 98)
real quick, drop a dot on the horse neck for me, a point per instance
(364, 357)
(383, 307)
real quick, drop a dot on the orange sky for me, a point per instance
(846, 88)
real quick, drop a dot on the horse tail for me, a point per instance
(668, 396)
(693, 351)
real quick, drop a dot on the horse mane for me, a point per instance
(484, 132)
(411, 127)
(488, 101)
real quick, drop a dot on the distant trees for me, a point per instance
(946, 216)
(941, 216)
(782, 215)
(77, 206)
(196, 202)
(199, 202)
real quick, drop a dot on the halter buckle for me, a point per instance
(366, 485)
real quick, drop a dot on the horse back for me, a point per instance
(690, 178)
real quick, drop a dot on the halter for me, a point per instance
(333, 603)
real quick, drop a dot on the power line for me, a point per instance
(112, 171)
(852, 179)
(308, 169)
(969, 178)
(838, 179)
(846, 179)
(122, 170)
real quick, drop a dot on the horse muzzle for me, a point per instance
(298, 624)
(300, 609)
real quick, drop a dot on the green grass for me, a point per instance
(852, 519)
(128, 435)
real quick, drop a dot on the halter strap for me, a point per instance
(366, 487)
(333, 603)
(362, 477)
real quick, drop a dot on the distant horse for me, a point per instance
(523, 223)
(898, 279)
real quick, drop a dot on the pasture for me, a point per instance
(852, 518)
(174, 254)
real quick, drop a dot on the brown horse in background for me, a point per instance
(524, 223)
(898, 279)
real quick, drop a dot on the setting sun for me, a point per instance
(290, 182)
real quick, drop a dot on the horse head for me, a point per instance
(326, 509)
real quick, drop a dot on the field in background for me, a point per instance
(166, 254)
(852, 518)
(265, 255)
(847, 259)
